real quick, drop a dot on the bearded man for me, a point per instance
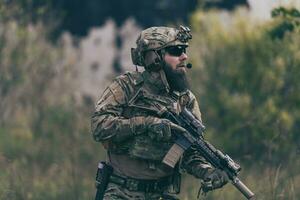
(137, 138)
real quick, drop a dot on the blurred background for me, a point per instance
(57, 56)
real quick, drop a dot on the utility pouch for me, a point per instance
(175, 182)
(104, 172)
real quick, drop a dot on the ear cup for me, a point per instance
(137, 57)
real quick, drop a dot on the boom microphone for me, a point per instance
(189, 65)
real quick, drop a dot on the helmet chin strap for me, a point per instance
(160, 60)
(164, 79)
(160, 57)
(157, 66)
(157, 62)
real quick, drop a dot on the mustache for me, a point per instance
(182, 64)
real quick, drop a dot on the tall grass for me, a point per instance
(46, 151)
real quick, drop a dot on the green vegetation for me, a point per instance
(247, 82)
(245, 78)
(46, 151)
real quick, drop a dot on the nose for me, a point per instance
(183, 57)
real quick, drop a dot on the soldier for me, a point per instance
(135, 136)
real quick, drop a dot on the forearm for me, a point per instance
(115, 128)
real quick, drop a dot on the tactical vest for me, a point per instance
(141, 100)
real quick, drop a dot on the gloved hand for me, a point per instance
(213, 179)
(157, 128)
(161, 129)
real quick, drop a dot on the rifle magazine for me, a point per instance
(173, 155)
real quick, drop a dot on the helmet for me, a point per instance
(158, 38)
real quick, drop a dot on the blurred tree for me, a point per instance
(286, 20)
(77, 16)
(26, 11)
(247, 86)
(43, 135)
(228, 5)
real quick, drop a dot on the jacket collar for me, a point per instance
(156, 81)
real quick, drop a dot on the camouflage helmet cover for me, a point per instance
(156, 38)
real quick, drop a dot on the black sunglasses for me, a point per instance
(176, 50)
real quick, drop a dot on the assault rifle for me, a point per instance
(194, 136)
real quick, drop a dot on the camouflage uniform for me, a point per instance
(121, 123)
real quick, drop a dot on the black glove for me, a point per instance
(213, 179)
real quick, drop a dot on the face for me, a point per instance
(176, 58)
(175, 68)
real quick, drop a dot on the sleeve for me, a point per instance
(193, 106)
(107, 123)
(192, 162)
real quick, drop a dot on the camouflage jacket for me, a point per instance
(136, 94)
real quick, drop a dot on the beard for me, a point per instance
(177, 79)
